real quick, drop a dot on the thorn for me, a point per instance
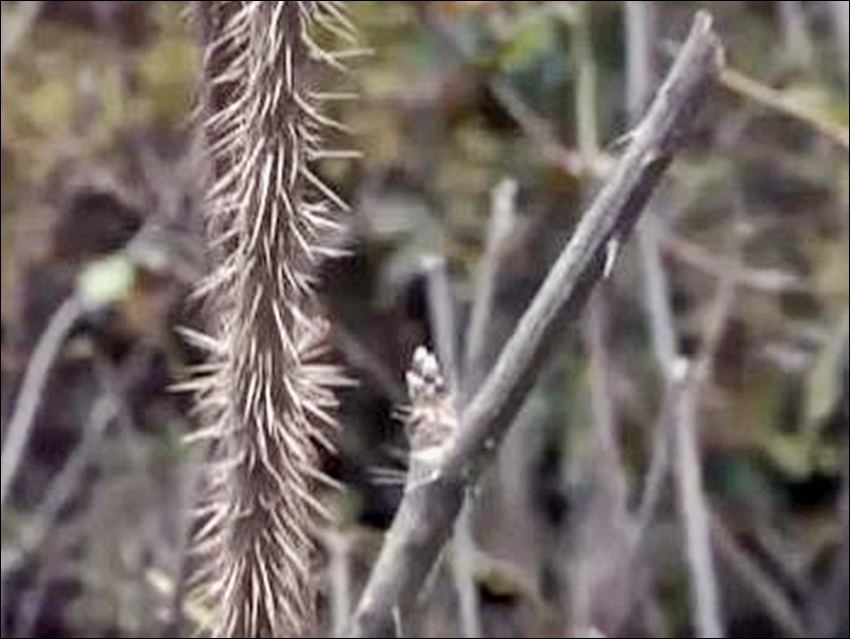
(330, 96)
(621, 142)
(332, 154)
(612, 249)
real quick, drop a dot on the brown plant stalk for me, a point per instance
(265, 396)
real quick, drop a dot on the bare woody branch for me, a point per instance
(427, 512)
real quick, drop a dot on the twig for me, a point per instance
(694, 512)
(657, 291)
(339, 551)
(747, 87)
(442, 319)
(776, 602)
(190, 487)
(600, 579)
(640, 67)
(20, 425)
(602, 532)
(441, 309)
(693, 506)
(64, 485)
(587, 132)
(762, 280)
(659, 462)
(427, 512)
(463, 566)
(502, 219)
(640, 30)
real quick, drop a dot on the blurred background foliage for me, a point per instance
(100, 203)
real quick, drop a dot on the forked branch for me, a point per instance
(427, 512)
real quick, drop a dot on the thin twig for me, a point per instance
(640, 32)
(657, 291)
(747, 87)
(659, 462)
(65, 485)
(693, 505)
(66, 482)
(428, 511)
(339, 559)
(776, 602)
(502, 219)
(32, 389)
(442, 313)
(603, 532)
(761, 280)
(463, 566)
(694, 510)
(587, 130)
(600, 580)
(442, 316)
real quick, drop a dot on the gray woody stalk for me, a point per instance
(427, 512)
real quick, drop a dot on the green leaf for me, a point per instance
(106, 281)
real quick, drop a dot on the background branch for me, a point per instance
(46, 351)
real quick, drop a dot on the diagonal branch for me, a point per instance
(426, 515)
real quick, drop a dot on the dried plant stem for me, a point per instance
(20, 425)
(587, 130)
(640, 30)
(267, 402)
(602, 531)
(500, 227)
(776, 602)
(339, 551)
(441, 306)
(427, 512)
(747, 87)
(442, 316)
(692, 504)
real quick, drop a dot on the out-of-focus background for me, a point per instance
(485, 127)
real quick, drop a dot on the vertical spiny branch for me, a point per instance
(266, 398)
